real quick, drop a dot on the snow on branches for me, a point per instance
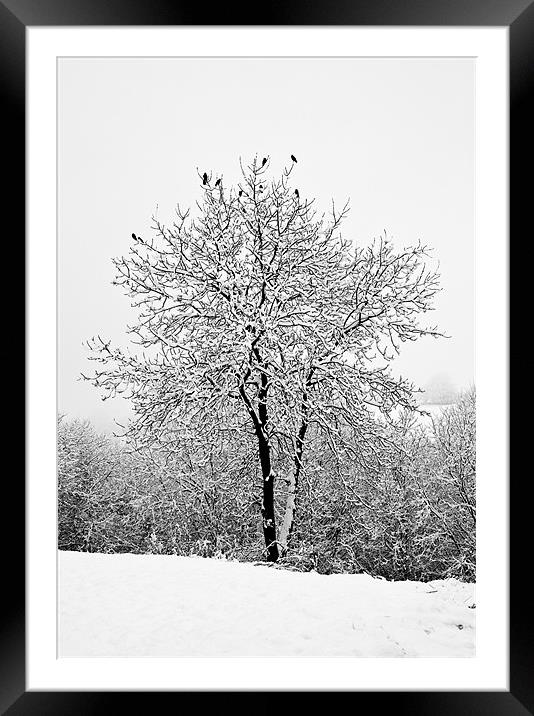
(254, 313)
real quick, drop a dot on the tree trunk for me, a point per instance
(259, 421)
(267, 509)
(291, 502)
(289, 514)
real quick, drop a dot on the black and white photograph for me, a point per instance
(266, 429)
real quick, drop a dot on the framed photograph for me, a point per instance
(267, 353)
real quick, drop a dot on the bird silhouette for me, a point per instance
(264, 161)
(204, 179)
(240, 192)
(293, 158)
(297, 193)
(217, 182)
(134, 237)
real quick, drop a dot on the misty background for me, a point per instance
(395, 136)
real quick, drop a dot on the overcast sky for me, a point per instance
(396, 136)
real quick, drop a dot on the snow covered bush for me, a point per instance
(410, 515)
(87, 497)
(449, 490)
(113, 500)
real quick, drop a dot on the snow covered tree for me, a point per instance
(256, 316)
(451, 496)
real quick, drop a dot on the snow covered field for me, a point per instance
(165, 606)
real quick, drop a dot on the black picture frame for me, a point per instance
(15, 17)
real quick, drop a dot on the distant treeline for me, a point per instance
(410, 514)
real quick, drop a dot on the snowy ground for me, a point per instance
(146, 605)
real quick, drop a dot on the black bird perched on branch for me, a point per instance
(240, 192)
(204, 179)
(297, 193)
(217, 182)
(264, 161)
(293, 158)
(134, 237)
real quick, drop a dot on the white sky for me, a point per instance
(396, 136)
